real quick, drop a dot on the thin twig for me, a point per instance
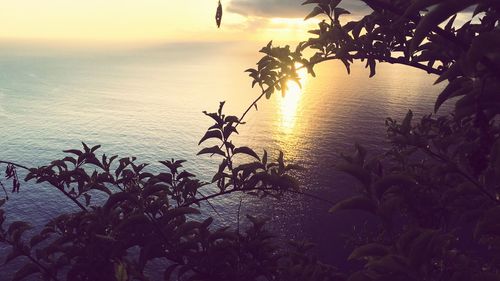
(72, 199)
(35, 261)
(4, 190)
(464, 174)
(59, 188)
(14, 164)
(257, 189)
(210, 204)
(238, 216)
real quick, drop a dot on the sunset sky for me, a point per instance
(150, 21)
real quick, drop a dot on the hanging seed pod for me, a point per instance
(218, 15)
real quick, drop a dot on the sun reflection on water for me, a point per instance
(290, 103)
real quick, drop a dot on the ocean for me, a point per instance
(148, 103)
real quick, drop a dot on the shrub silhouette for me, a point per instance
(434, 193)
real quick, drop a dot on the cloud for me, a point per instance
(268, 8)
(285, 8)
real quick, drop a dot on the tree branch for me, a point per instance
(441, 32)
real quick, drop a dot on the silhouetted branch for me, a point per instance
(80, 205)
(464, 174)
(14, 164)
(32, 259)
(198, 200)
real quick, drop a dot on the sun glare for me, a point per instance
(289, 104)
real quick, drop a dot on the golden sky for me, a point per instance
(138, 21)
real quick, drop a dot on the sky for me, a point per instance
(151, 21)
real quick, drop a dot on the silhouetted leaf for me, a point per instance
(25, 271)
(452, 90)
(316, 11)
(120, 272)
(218, 15)
(487, 276)
(337, 12)
(246, 150)
(356, 171)
(402, 180)
(355, 203)
(369, 250)
(436, 16)
(359, 276)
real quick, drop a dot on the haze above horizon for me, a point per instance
(116, 22)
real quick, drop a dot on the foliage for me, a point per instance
(151, 215)
(434, 194)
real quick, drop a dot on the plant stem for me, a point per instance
(31, 258)
(198, 200)
(14, 164)
(59, 188)
(462, 173)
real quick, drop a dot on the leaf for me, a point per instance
(487, 276)
(449, 25)
(311, 2)
(406, 124)
(134, 222)
(316, 11)
(371, 63)
(359, 276)
(211, 134)
(246, 150)
(486, 44)
(355, 203)
(12, 255)
(25, 271)
(218, 15)
(405, 240)
(436, 16)
(356, 171)
(419, 5)
(418, 252)
(120, 272)
(450, 74)
(37, 239)
(357, 29)
(168, 272)
(452, 90)
(94, 148)
(360, 153)
(86, 148)
(17, 228)
(212, 150)
(369, 250)
(117, 198)
(73, 151)
(381, 185)
(228, 130)
(495, 157)
(337, 12)
(390, 263)
(180, 211)
(87, 199)
(489, 224)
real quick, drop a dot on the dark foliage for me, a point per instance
(434, 194)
